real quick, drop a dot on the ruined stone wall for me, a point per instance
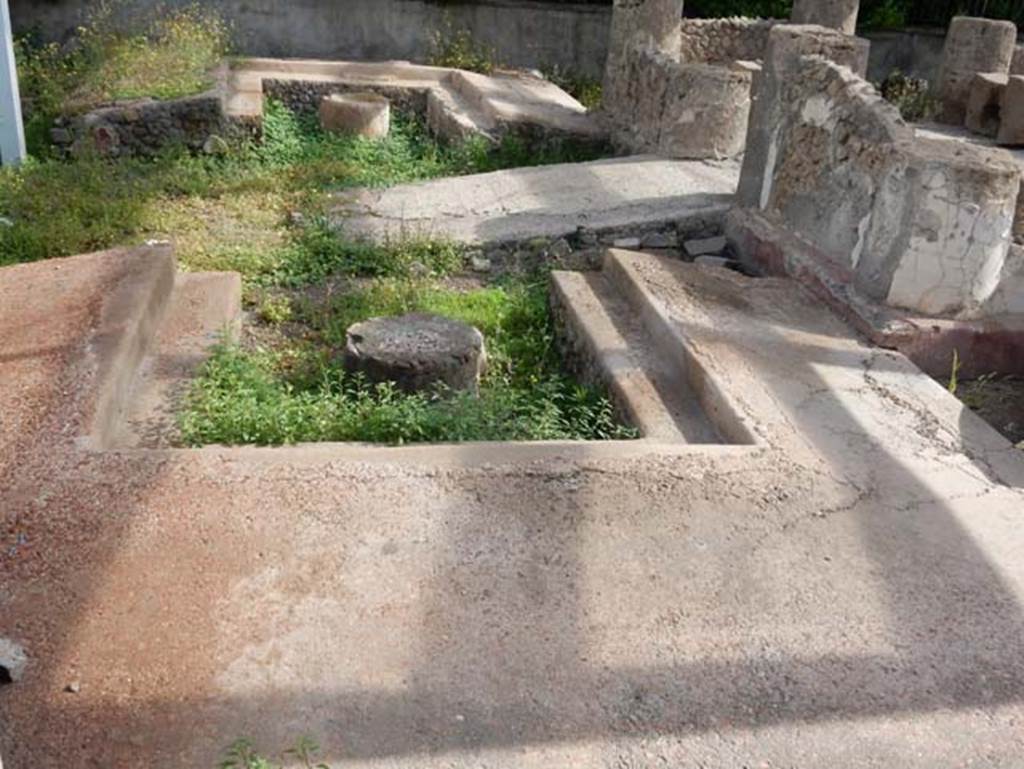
(304, 96)
(145, 127)
(918, 224)
(721, 41)
(684, 110)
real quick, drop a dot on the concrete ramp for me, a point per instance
(550, 201)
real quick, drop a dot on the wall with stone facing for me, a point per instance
(683, 110)
(918, 224)
(721, 41)
(145, 127)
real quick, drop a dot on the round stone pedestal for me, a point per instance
(363, 114)
(417, 352)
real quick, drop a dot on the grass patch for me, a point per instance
(299, 392)
(120, 52)
(236, 212)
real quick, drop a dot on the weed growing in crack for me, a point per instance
(243, 755)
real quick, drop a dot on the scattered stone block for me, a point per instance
(972, 46)
(417, 352)
(835, 14)
(660, 240)
(560, 249)
(705, 246)
(480, 264)
(362, 114)
(626, 243)
(1011, 127)
(716, 261)
(13, 660)
(985, 103)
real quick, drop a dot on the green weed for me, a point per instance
(302, 393)
(455, 47)
(243, 755)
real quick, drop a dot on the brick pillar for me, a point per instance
(972, 46)
(834, 14)
(651, 23)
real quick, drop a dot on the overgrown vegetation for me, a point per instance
(243, 755)
(120, 53)
(912, 96)
(255, 211)
(298, 391)
(455, 46)
(586, 90)
(260, 210)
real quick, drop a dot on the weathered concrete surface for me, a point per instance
(486, 105)
(601, 330)
(972, 46)
(849, 594)
(551, 201)
(205, 308)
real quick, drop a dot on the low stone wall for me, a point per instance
(922, 225)
(145, 127)
(683, 110)
(304, 96)
(722, 41)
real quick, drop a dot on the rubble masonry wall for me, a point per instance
(923, 225)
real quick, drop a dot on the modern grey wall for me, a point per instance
(522, 33)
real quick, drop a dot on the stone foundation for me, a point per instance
(724, 41)
(145, 127)
(684, 110)
(684, 93)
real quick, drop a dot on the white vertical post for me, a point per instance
(12, 132)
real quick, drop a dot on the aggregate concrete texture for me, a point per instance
(551, 201)
(848, 593)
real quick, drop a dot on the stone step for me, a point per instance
(452, 117)
(648, 387)
(203, 309)
(133, 310)
(672, 342)
(522, 99)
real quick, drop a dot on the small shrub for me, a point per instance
(912, 96)
(586, 90)
(888, 14)
(454, 47)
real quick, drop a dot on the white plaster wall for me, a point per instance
(957, 248)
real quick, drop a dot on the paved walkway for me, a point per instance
(550, 201)
(846, 594)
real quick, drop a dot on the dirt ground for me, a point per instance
(1000, 402)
